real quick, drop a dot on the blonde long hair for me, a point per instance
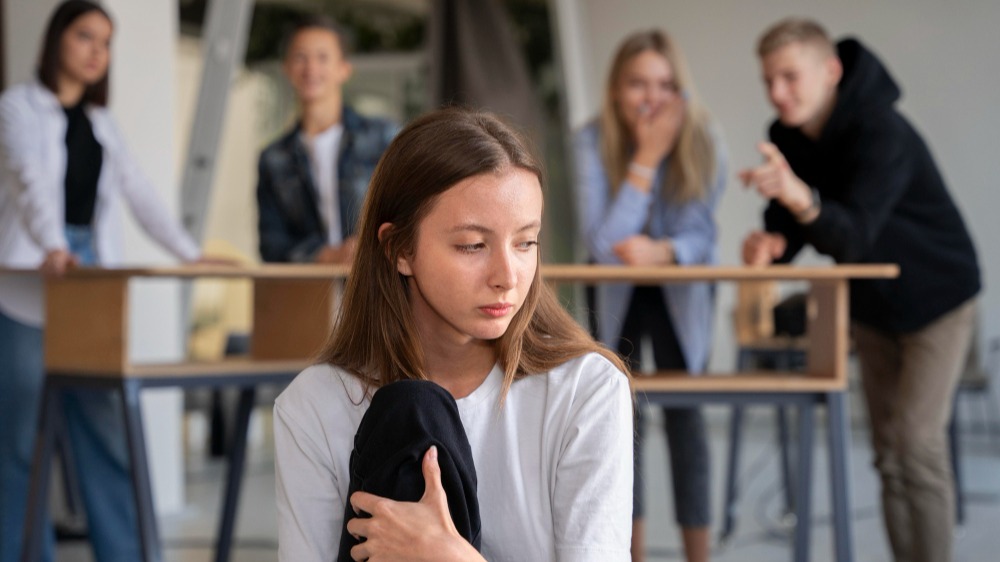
(375, 337)
(692, 162)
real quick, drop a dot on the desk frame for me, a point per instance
(824, 381)
(839, 459)
(84, 349)
(129, 390)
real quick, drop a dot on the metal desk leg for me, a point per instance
(139, 467)
(36, 519)
(786, 460)
(67, 469)
(803, 503)
(783, 362)
(237, 458)
(836, 416)
(732, 470)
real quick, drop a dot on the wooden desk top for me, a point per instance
(744, 381)
(663, 381)
(658, 274)
(302, 293)
(550, 272)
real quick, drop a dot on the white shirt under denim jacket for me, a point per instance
(32, 193)
(605, 219)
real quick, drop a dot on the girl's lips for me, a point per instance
(497, 310)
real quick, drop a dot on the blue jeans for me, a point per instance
(81, 243)
(95, 430)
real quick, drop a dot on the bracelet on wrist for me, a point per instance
(809, 212)
(644, 172)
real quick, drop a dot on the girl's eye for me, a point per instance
(470, 248)
(527, 245)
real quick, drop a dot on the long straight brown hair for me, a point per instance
(375, 336)
(692, 163)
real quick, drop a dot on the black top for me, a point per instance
(83, 167)
(882, 200)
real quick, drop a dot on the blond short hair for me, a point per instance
(794, 30)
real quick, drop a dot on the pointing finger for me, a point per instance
(771, 153)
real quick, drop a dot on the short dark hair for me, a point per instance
(318, 21)
(49, 61)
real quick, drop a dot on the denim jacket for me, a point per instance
(605, 219)
(289, 224)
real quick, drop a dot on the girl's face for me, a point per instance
(475, 257)
(646, 83)
(85, 49)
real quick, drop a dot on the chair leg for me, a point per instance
(74, 526)
(744, 359)
(992, 419)
(70, 483)
(956, 462)
(785, 361)
(732, 468)
(217, 445)
(786, 460)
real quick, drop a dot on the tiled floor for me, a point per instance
(760, 535)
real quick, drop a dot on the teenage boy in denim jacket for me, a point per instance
(312, 180)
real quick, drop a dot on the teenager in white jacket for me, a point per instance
(64, 171)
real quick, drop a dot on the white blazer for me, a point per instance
(32, 193)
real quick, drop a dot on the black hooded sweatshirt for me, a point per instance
(882, 201)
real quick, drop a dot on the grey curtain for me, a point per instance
(476, 62)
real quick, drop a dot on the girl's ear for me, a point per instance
(402, 263)
(403, 267)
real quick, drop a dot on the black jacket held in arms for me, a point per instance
(882, 201)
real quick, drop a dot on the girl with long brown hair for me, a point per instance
(457, 406)
(650, 172)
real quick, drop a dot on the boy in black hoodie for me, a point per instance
(846, 173)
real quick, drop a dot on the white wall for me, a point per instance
(943, 55)
(142, 100)
(23, 25)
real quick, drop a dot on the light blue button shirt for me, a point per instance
(604, 220)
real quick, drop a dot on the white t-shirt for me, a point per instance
(323, 150)
(554, 466)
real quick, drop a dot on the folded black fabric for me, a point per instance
(404, 419)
